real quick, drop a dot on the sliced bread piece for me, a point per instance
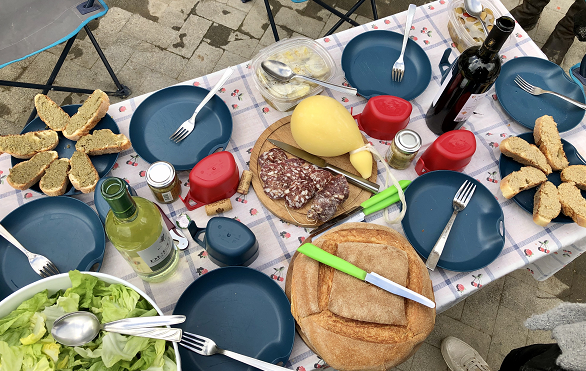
(576, 174)
(546, 204)
(525, 153)
(88, 115)
(547, 138)
(25, 174)
(51, 113)
(25, 146)
(517, 181)
(55, 180)
(573, 204)
(83, 174)
(101, 142)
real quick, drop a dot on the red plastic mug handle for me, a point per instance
(357, 118)
(187, 203)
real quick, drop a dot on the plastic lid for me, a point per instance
(160, 174)
(407, 141)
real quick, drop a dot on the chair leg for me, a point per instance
(342, 19)
(272, 20)
(374, 11)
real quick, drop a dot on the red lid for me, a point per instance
(384, 116)
(451, 151)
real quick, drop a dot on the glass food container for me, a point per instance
(163, 182)
(403, 149)
(305, 57)
(465, 30)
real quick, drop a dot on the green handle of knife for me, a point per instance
(333, 261)
(383, 199)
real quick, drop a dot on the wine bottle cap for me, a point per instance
(116, 195)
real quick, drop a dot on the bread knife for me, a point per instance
(178, 237)
(320, 162)
(342, 265)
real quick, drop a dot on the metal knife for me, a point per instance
(342, 265)
(178, 237)
(320, 162)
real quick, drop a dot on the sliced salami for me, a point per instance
(327, 200)
(273, 171)
(273, 155)
(338, 188)
(321, 178)
(275, 189)
(299, 193)
(305, 167)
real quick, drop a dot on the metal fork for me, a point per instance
(460, 201)
(535, 90)
(187, 127)
(399, 66)
(40, 264)
(207, 347)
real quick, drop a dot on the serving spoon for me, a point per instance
(474, 8)
(281, 72)
(79, 328)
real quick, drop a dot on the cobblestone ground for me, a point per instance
(152, 44)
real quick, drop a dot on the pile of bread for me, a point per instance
(549, 200)
(43, 163)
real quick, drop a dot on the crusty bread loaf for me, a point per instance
(546, 204)
(351, 324)
(547, 138)
(25, 174)
(55, 180)
(576, 174)
(51, 113)
(25, 146)
(525, 153)
(101, 142)
(83, 174)
(88, 115)
(573, 204)
(525, 178)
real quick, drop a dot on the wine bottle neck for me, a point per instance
(117, 196)
(493, 43)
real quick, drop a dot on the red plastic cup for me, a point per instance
(384, 116)
(450, 151)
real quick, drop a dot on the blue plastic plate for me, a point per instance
(368, 61)
(477, 237)
(242, 310)
(158, 116)
(525, 199)
(64, 229)
(526, 108)
(66, 147)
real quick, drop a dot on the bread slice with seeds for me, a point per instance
(573, 204)
(525, 153)
(55, 180)
(546, 204)
(23, 175)
(547, 138)
(576, 174)
(50, 112)
(101, 142)
(83, 174)
(88, 115)
(25, 146)
(517, 181)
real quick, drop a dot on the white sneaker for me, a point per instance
(460, 356)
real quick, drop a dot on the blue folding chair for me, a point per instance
(28, 27)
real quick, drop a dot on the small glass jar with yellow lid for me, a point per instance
(163, 182)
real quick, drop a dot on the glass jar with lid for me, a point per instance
(403, 149)
(163, 182)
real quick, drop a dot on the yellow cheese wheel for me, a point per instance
(322, 126)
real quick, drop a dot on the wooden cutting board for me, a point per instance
(281, 131)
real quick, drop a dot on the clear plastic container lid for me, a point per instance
(305, 57)
(465, 30)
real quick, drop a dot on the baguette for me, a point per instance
(87, 116)
(547, 138)
(576, 174)
(83, 174)
(573, 204)
(50, 113)
(23, 175)
(546, 204)
(525, 153)
(101, 142)
(517, 181)
(55, 180)
(25, 146)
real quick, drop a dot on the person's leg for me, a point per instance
(528, 12)
(460, 356)
(562, 37)
(538, 357)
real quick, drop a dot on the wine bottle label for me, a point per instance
(158, 255)
(443, 87)
(167, 196)
(468, 108)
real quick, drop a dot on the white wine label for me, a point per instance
(167, 196)
(443, 87)
(468, 108)
(158, 254)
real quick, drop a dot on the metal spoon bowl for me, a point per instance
(281, 72)
(474, 8)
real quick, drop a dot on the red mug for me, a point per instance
(450, 151)
(384, 116)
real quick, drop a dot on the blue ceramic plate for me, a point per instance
(368, 61)
(526, 108)
(525, 199)
(158, 116)
(242, 310)
(66, 147)
(477, 237)
(64, 229)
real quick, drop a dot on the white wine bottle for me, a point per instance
(135, 227)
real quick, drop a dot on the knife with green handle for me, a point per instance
(342, 265)
(377, 202)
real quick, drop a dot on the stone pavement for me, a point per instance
(152, 44)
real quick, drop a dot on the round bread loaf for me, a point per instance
(352, 324)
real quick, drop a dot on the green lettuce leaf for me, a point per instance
(10, 357)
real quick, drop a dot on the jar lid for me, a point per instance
(160, 174)
(407, 141)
